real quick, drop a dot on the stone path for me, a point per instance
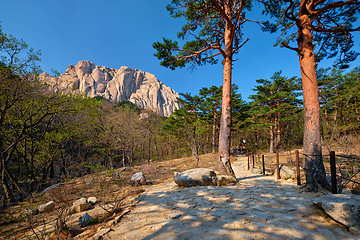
(257, 207)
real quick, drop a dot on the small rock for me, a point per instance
(354, 230)
(138, 179)
(51, 187)
(257, 171)
(46, 207)
(221, 180)
(189, 218)
(101, 233)
(33, 211)
(80, 205)
(286, 172)
(174, 215)
(92, 200)
(84, 220)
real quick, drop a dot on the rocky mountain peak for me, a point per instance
(125, 84)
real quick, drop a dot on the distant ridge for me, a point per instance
(126, 84)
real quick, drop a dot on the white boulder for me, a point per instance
(195, 177)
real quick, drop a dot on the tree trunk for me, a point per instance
(333, 132)
(271, 139)
(278, 128)
(194, 147)
(256, 142)
(356, 111)
(224, 164)
(313, 162)
(8, 194)
(214, 131)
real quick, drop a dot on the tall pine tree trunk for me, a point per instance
(313, 162)
(271, 139)
(278, 128)
(224, 164)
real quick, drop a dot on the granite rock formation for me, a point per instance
(125, 84)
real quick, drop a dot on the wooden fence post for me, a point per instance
(263, 163)
(277, 165)
(333, 173)
(248, 162)
(297, 167)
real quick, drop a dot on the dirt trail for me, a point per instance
(257, 207)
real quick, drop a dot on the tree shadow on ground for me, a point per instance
(257, 207)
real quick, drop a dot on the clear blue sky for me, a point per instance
(117, 33)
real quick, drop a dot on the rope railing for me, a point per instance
(332, 156)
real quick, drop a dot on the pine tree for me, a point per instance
(188, 122)
(217, 30)
(211, 105)
(274, 104)
(321, 29)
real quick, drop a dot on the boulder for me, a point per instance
(138, 179)
(80, 205)
(195, 177)
(257, 171)
(344, 209)
(84, 220)
(285, 172)
(220, 180)
(46, 207)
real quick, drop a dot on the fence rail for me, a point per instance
(335, 176)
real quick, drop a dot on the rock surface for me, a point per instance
(46, 207)
(221, 180)
(84, 220)
(257, 171)
(92, 200)
(285, 172)
(80, 205)
(343, 208)
(138, 179)
(126, 84)
(195, 177)
(101, 233)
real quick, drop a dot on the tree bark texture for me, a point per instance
(271, 139)
(313, 162)
(224, 164)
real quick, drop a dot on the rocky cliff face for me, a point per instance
(125, 84)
